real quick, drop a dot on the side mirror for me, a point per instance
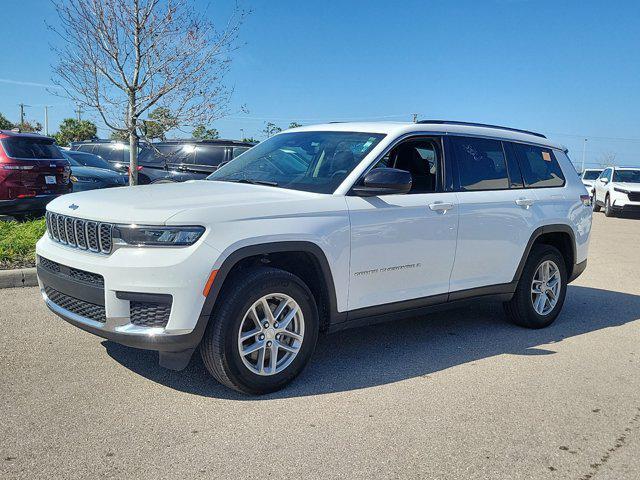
(384, 181)
(604, 180)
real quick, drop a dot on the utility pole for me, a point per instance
(78, 111)
(415, 118)
(22, 105)
(584, 154)
(46, 120)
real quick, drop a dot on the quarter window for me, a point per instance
(481, 163)
(539, 166)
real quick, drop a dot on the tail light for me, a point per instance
(586, 200)
(27, 195)
(138, 168)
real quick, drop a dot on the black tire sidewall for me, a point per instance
(260, 286)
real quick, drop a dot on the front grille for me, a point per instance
(79, 233)
(634, 196)
(74, 305)
(147, 314)
(75, 273)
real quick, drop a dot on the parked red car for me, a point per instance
(33, 171)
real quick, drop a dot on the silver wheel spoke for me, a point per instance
(271, 350)
(287, 320)
(288, 348)
(545, 287)
(252, 348)
(267, 310)
(247, 335)
(293, 335)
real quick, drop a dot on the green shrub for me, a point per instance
(18, 243)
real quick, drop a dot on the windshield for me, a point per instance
(72, 161)
(309, 161)
(591, 174)
(629, 176)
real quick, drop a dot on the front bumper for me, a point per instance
(144, 276)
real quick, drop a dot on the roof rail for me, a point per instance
(473, 124)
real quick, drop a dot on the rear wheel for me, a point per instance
(541, 290)
(263, 333)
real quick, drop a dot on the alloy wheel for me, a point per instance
(271, 334)
(545, 287)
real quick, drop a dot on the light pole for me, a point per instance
(584, 153)
(46, 120)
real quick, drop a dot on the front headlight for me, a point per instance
(141, 235)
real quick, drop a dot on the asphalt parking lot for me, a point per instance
(461, 394)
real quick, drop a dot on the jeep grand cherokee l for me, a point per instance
(33, 171)
(319, 229)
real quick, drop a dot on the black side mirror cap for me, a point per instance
(384, 181)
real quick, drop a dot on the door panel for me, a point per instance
(401, 248)
(493, 233)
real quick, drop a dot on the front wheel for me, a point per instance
(263, 332)
(608, 211)
(541, 290)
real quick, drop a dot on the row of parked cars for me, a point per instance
(34, 170)
(614, 189)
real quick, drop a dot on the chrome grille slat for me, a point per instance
(79, 233)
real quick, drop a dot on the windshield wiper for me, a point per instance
(255, 182)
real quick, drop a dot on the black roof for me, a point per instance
(473, 124)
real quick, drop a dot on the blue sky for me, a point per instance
(570, 69)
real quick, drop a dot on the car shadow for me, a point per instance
(394, 351)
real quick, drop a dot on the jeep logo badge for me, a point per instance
(73, 206)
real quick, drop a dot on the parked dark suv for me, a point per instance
(169, 161)
(33, 171)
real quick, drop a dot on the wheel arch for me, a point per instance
(560, 236)
(302, 258)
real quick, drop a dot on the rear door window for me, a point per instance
(210, 155)
(539, 166)
(481, 164)
(31, 148)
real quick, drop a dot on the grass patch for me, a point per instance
(18, 243)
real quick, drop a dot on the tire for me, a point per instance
(220, 346)
(608, 210)
(596, 207)
(520, 309)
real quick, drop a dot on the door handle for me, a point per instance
(525, 202)
(441, 206)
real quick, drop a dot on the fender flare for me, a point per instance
(553, 228)
(265, 248)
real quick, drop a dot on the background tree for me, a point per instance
(160, 121)
(72, 130)
(203, 133)
(270, 129)
(132, 56)
(5, 124)
(250, 140)
(295, 125)
(119, 136)
(608, 159)
(29, 126)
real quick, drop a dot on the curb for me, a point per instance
(21, 277)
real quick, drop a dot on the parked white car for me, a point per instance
(319, 228)
(589, 176)
(617, 189)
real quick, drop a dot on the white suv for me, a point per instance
(617, 189)
(319, 228)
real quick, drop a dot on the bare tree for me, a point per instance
(123, 58)
(607, 159)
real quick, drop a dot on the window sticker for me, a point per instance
(546, 156)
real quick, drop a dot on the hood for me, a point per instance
(632, 187)
(155, 204)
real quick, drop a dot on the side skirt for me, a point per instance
(423, 306)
